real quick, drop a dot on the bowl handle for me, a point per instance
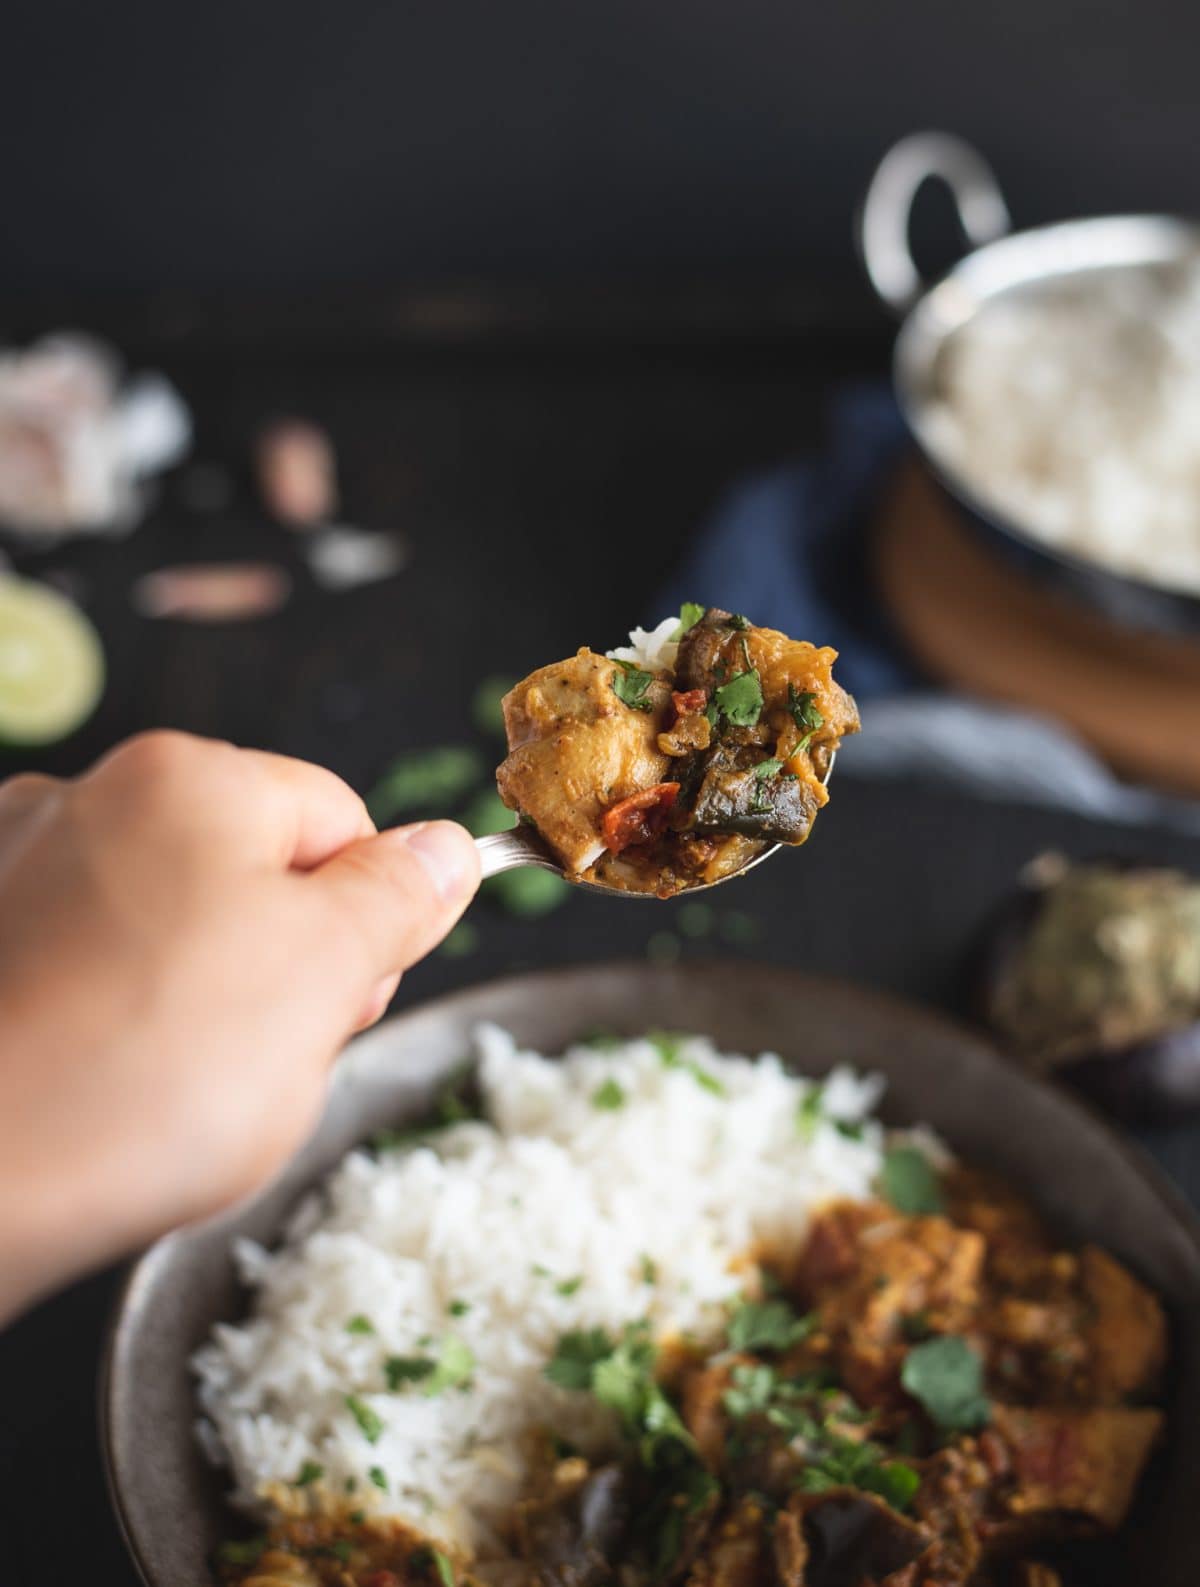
(887, 209)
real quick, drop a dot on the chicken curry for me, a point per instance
(658, 779)
(930, 1393)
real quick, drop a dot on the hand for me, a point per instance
(188, 934)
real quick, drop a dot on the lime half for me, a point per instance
(51, 664)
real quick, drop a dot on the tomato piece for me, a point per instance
(639, 818)
(689, 702)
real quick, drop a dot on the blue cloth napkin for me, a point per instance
(790, 548)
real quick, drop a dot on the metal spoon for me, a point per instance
(524, 845)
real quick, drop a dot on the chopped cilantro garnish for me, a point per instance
(371, 1423)
(810, 1112)
(690, 614)
(424, 779)
(360, 1325)
(454, 1366)
(649, 1270)
(569, 1286)
(609, 1096)
(767, 768)
(767, 1325)
(310, 1471)
(946, 1376)
(752, 1390)
(578, 1352)
(445, 1570)
(908, 1181)
(669, 1051)
(485, 704)
(804, 712)
(712, 714)
(458, 1308)
(741, 699)
(341, 1549)
(738, 622)
(357, 1517)
(629, 684)
(241, 1551)
(379, 1477)
(407, 1369)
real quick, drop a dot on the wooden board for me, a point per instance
(975, 622)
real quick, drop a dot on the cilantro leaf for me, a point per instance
(946, 1376)
(629, 684)
(407, 1369)
(810, 1112)
(690, 614)
(427, 1557)
(609, 1096)
(909, 1182)
(310, 1471)
(424, 779)
(767, 1325)
(379, 1477)
(241, 1552)
(569, 1286)
(454, 1366)
(752, 1390)
(741, 699)
(578, 1352)
(458, 1308)
(668, 1048)
(360, 1325)
(370, 1421)
(804, 712)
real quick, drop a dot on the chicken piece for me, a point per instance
(575, 748)
(1085, 1462)
(900, 1266)
(1126, 1336)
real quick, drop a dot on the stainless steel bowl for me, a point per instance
(998, 263)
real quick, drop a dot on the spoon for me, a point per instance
(524, 845)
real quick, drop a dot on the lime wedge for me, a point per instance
(51, 664)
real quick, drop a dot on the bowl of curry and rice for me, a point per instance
(705, 1274)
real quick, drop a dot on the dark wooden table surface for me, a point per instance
(544, 479)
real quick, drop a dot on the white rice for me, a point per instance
(1075, 410)
(652, 1205)
(655, 648)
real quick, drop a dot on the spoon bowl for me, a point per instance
(524, 845)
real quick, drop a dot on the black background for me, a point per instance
(304, 142)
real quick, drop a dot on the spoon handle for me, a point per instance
(505, 851)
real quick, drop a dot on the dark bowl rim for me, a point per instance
(1138, 1160)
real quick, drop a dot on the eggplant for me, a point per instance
(1090, 972)
(855, 1537)
(572, 1539)
(735, 796)
(705, 651)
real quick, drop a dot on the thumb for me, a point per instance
(400, 891)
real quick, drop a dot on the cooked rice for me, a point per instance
(655, 648)
(1073, 407)
(652, 1204)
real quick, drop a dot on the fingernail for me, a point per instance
(448, 856)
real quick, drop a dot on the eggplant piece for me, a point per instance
(855, 1537)
(705, 651)
(572, 1539)
(1091, 972)
(735, 796)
